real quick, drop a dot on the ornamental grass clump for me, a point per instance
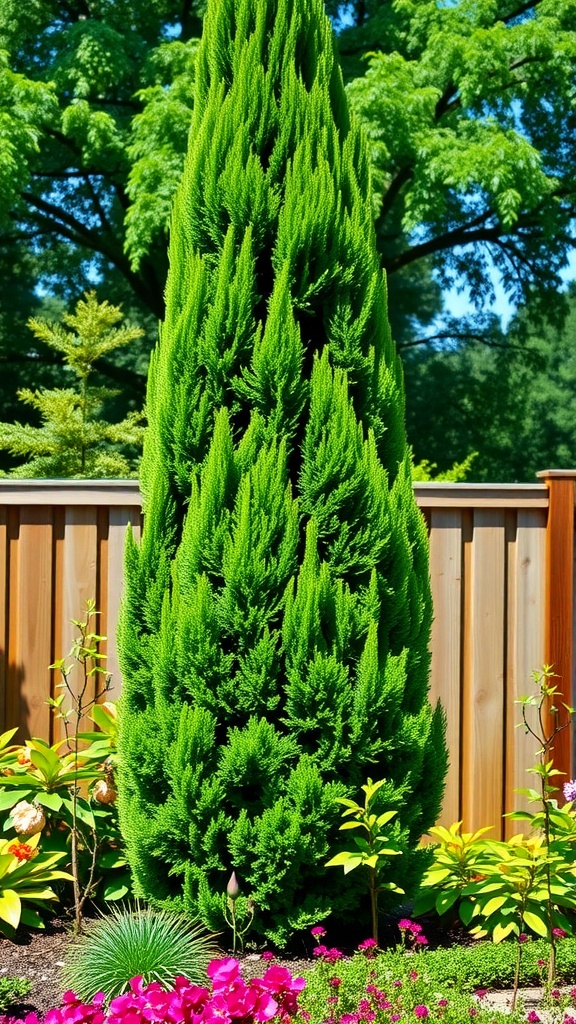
(155, 945)
(276, 622)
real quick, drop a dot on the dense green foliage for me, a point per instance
(469, 108)
(274, 640)
(514, 403)
(75, 439)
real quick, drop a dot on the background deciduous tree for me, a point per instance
(469, 107)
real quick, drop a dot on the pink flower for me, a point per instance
(368, 945)
(404, 924)
(533, 1017)
(421, 1011)
(223, 972)
(415, 928)
(473, 1011)
(335, 982)
(319, 950)
(394, 1017)
(522, 937)
(442, 1002)
(555, 993)
(559, 933)
(318, 931)
(481, 992)
(541, 963)
(413, 975)
(267, 956)
(421, 940)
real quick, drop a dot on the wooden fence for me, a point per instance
(502, 573)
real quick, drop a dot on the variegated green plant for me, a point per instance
(371, 850)
(25, 875)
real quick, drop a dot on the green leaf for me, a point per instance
(536, 921)
(10, 907)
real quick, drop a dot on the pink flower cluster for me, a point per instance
(412, 931)
(231, 999)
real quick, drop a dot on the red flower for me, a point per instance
(22, 851)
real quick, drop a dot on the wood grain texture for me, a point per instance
(79, 585)
(119, 520)
(526, 614)
(560, 605)
(483, 697)
(30, 625)
(446, 555)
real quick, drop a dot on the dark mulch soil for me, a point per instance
(39, 956)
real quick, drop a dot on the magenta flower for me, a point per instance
(421, 1011)
(368, 945)
(480, 992)
(267, 955)
(533, 1017)
(559, 933)
(413, 975)
(473, 1011)
(319, 950)
(569, 790)
(318, 931)
(555, 993)
(332, 955)
(223, 972)
(394, 1017)
(404, 924)
(335, 982)
(522, 937)
(415, 928)
(421, 940)
(442, 1002)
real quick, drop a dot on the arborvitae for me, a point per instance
(74, 438)
(275, 630)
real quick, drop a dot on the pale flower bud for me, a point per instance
(232, 889)
(27, 819)
(104, 793)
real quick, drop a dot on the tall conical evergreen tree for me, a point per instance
(275, 631)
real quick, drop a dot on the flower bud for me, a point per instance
(233, 889)
(27, 819)
(104, 793)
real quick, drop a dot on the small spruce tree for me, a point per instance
(274, 636)
(74, 439)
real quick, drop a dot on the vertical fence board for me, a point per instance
(118, 525)
(446, 580)
(525, 650)
(483, 699)
(79, 578)
(29, 649)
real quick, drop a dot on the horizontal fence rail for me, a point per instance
(501, 569)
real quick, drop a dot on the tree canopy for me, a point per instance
(470, 111)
